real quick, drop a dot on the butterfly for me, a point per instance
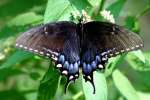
(82, 46)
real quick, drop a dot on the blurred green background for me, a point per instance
(24, 76)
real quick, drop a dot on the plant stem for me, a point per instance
(147, 9)
(102, 3)
(75, 97)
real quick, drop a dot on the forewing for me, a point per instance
(111, 38)
(47, 40)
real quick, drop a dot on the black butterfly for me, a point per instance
(84, 45)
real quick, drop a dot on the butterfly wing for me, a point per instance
(49, 39)
(110, 38)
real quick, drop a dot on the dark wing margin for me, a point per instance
(46, 40)
(112, 39)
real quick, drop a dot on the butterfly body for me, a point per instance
(85, 46)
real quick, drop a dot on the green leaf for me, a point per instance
(61, 10)
(7, 31)
(95, 3)
(25, 19)
(132, 23)
(146, 10)
(144, 96)
(139, 78)
(7, 72)
(15, 7)
(15, 58)
(80, 5)
(97, 6)
(139, 54)
(113, 93)
(139, 73)
(19, 24)
(138, 61)
(116, 8)
(34, 75)
(11, 95)
(56, 9)
(100, 85)
(49, 84)
(124, 86)
(113, 63)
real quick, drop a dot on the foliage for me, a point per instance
(24, 76)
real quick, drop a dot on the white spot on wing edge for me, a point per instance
(76, 75)
(117, 53)
(100, 66)
(104, 59)
(17, 44)
(51, 54)
(71, 77)
(30, 49)
(54, 58)
(47, 54)
(137, 46)
(111, 54)
(45, 28)
(50, 51)
(59, 65)
(103, 53)
(141, 45)
(20, 46)
(132, 48)
(42, 53)
(127, 49)
(122, 51)
(25, 47)
(36, 51)
(65, 72)
(112, 33)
